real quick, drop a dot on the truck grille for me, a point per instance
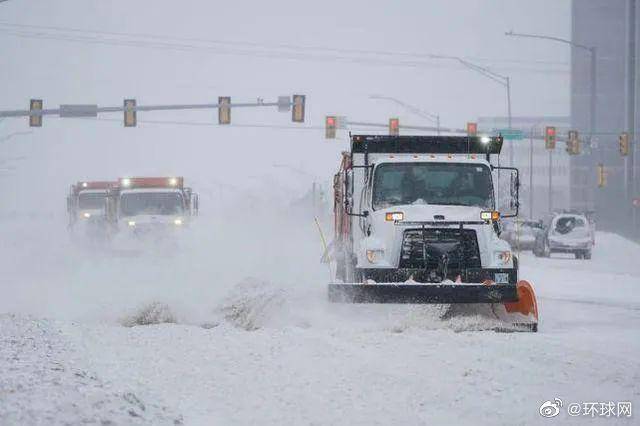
(437, 248)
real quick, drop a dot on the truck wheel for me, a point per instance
(587, 255)
(537, 251)
(578, 254)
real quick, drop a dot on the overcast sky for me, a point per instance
(67, 51)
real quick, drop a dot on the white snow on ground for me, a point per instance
(241, 333)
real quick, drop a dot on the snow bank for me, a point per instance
(42, 382)
(153, 313)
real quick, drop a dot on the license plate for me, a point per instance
(501, 278)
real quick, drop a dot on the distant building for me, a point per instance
(612, 27)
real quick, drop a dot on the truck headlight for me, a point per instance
(394, 216)
(374, 255)
(131, 223)
(503, 257)
(86, 215)
(177, 222)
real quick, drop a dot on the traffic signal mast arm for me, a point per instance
(284, 103)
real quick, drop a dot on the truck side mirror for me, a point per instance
(514, 190)
(507, 191)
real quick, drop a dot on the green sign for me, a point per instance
(510, 134)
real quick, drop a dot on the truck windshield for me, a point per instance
(91, 200)
(159, 203)
(432, 183)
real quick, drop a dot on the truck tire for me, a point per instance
(537, 251)
(587, 255)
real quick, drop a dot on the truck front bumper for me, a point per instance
(450, 293)
(469, 275)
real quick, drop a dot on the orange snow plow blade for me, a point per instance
(525, 308)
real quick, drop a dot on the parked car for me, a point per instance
(522, 234)
(566, 233)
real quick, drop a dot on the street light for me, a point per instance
(593, 94)
(434, 118)
(592, 51)
(498, 78)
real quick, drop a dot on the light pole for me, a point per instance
(592, 84)
(417, 111)
(592, 81)
(498, 78)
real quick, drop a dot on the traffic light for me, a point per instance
(602, 176)
(573, 143)
(330, 125)
(623, 140)
(130, 115)
(297, 114)
(394, 126)
(35, 120)
(550, 137)
(224, 110)
(472, 129)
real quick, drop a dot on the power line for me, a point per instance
(298, 56)
(286, 46)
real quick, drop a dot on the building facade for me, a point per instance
(608, 32)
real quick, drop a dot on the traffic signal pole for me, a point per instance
(550, 180)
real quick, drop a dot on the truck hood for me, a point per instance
(385, 237)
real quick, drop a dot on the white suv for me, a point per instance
(566, 233)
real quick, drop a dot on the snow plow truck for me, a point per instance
(86, 207)
(417, 222)
(154, 207)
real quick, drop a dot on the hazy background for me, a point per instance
(84, 67)
(250, 179)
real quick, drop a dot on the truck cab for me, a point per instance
(422, 209)
(150, 205)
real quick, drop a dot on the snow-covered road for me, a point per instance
(271, 350)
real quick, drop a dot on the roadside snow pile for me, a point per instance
(252, 304)
(42, 382)
(153, 313)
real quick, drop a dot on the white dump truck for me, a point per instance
(417, 220)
